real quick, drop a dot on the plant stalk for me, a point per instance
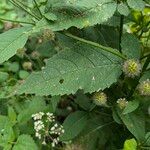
(107, 49)
(16, 21)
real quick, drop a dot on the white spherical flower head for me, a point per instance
(144, 88)
(122, 103)
(132, 68)
(100, 98)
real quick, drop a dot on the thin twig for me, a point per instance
(17, 21)
(38, 7)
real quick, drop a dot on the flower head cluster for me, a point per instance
(132, 68)
(144, 88)
(100, 98)
(48, 34)
(122, 103)
(46, 127)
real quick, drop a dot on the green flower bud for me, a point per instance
(27, 66)
(132, 68)
(144, 88)
(122, 103)
(100, 98)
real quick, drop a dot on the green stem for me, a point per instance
(121, 31)
(38, 8)
(107, 49)
(19, 6)
(16, 21)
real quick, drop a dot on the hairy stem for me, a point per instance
(16, 21)
(36, 4)
(15, 3)
(107, 49)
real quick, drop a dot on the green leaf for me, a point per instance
(12, 115)
(131, 106)
(11, 41)
(74, 124)
(36, 104)
(55, 100)
(123, 9)
(6, 132)
(25, 142)
(136, 4)
(83, 101)
(116, 116)
(80, 14)
(147, 139)
(50, 16)
(23, 74)
(145, 76)
(3, 76)
(130, 46)
(7, 147)
(77, 66)
(135, 122)
(130, 145)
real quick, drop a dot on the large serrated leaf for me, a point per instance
(11, 41)
(78, 66)
(80, 14)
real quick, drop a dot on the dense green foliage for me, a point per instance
(75, 74)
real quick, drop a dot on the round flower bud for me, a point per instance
(100, 98)
(122, 103)
(35, 54)
(132, 68)
(27, 65)
(48, 34)
(144, 88)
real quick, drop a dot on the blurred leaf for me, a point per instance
(3, 76)
(12, 115)
(136, 4)
(55, 100)
(36, 105)
(123, 9)
(74, 124)
(25, 142)
(83, 101)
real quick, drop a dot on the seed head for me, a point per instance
(48, 35)
(122, 103)
(27, 65)
(132, 68)
(100, 98)
(144, 88)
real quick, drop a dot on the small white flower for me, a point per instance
(44, 143)
(38, 125)
(38, 135)
(38, 116)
